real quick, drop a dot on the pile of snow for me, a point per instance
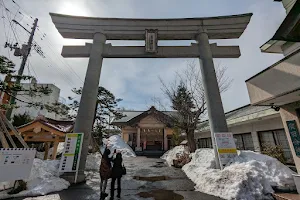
(93, 162)
(171, 155)
(116, 142)
(274, 171)
(44, 179)
(249, 176)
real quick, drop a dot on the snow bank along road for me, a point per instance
(147, 178)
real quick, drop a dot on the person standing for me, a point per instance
(117, 172)
(105, 172)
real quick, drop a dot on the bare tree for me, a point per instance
(187, 97)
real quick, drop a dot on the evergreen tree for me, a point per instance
(106, 109)
(188, 114)
(21, 119)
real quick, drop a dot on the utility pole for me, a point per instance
(23, 63)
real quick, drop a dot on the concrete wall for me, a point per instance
(288, 4)
(280, 79)
(45, 99)
(268, 123)
(288, 113)
(290, 47)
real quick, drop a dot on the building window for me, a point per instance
(204, 143)
(277, 138)
(244, 141)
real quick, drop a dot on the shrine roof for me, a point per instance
(131, 117)
(64, 126)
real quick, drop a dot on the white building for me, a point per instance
(53, 97)
(274, 114)
(252, 127)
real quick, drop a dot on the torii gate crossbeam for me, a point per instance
(102, 29)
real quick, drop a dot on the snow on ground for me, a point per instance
(48, 197)
(116, 142)
(249, 176)
(170, 155)
(44, 179)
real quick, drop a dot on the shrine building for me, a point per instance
(147, 131)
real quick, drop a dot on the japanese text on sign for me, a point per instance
(71, 155)
(16, 163)
(151, 41)
(295, 137)
(226, 147)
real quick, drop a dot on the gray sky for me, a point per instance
(136, 80)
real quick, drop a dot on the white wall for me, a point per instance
(45, 99)
(264, 124)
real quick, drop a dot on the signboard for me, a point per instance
(16, 163)
(151, 40)
(71, 154)
(295, 137)
(226, 147)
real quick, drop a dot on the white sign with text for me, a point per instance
(226, 147)
(16, 163)
(71, 155)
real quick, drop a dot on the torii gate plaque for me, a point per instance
(102, 29)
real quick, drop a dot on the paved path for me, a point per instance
(176, 186)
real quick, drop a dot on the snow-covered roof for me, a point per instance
(64, 126)
(241, 114)
(130, 115)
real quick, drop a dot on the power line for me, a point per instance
(59, 56)
(3, 19)
(49, 45)
(24, 13)
(30, 66)
(50, 63)
(9, 20)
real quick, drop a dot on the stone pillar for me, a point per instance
(256, 143)
(138, 140)
(85, 116)
(215, 110)
(165, 139)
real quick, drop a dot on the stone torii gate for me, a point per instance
(150, 30)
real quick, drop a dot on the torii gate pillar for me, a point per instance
(85, 116)
(217, 120)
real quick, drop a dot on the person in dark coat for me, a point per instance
(105, 172)
(117, 173)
